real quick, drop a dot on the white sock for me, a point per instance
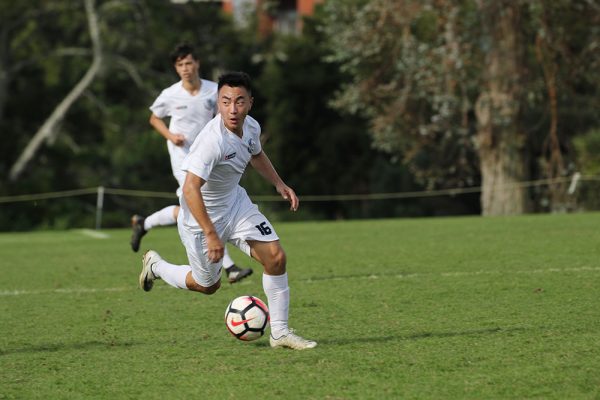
(160, 218)
(227, 261)
(278, 296)
(172, 274)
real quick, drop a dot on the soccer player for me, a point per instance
(190, 103)
(215, 209)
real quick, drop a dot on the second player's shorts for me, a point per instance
(246, 222)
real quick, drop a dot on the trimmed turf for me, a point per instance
(409, 308)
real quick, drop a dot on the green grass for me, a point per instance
(464, 308)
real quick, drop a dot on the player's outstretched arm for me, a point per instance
(195, 202)
(263, 165)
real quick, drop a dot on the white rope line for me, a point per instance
(47, 195)
(304, 198)
(450, 274)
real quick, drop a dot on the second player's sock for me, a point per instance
(160, 218)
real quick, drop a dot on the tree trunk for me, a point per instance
(554, 159)
(501, 144)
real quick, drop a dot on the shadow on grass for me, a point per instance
(52, 347)
(95, 344)
(424, 335)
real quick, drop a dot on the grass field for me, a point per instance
(446, 308)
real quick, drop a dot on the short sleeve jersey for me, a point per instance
(220, 158)
(188, 113)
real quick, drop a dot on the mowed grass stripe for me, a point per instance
(410, 308)
(457, 274)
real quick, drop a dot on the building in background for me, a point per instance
(283, 16)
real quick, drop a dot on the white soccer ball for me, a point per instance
(247, 317)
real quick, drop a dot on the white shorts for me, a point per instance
(180, 177)
(177, 155)
(246, 222)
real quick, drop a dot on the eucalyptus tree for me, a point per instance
(471, 92)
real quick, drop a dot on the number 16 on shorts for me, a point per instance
(264, 229)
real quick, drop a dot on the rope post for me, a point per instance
(574, 181)
(99, 206)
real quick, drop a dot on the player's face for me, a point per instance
(187, 68)
(234, 105)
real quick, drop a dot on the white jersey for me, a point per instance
(189, 114)
(220, 157)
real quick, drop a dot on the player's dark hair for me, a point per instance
(236, 79)
(182, 50)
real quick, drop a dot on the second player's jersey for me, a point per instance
(189, 114)
(220, 158)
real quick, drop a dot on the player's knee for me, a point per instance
(208, 290)
(277, 262)
(212, 289)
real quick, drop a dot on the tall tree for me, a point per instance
(471, 90)
(411, 81)
(501, 141)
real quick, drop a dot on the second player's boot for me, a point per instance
(138, 231)
(236, 274)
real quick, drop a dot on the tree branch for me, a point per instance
(47, 129)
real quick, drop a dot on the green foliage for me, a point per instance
(316, 149)
(453, 308)
(407, 72)
(588, 156)
(409, 82)
(417, 69)
(588, 149)
(105, 138)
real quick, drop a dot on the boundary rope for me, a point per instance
(304, 198)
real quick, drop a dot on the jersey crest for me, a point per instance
(210, 104)
(251, 146)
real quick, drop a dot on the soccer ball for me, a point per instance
(247, 317)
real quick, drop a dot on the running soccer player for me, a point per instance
(190, 103)
(215, 210)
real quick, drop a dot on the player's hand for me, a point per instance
(177, 139)
(288, 194)
(216, 250)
